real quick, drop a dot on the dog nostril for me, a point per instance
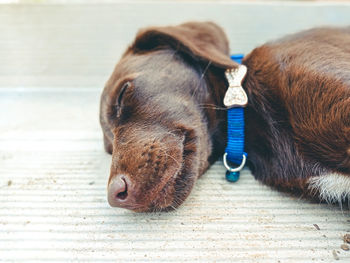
(121, 192)
(123, 195)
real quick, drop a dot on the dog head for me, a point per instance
(159, 114)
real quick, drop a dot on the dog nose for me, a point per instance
(121, 192)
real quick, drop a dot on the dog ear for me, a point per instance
(203, 41)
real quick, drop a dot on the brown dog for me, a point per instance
(164, 121)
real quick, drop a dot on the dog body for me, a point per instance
(164, 121)
(299, 94)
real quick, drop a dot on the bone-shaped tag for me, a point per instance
(235, 95)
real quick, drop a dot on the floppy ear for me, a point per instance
(203, 41)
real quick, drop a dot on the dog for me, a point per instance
(164, 121)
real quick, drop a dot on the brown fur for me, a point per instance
(169, 125)
(299, 92)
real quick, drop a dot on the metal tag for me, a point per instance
(235, 95)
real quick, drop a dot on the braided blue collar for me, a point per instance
(235, 100)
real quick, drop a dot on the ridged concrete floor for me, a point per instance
(53, 170)
(53, 200)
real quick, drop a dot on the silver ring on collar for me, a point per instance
(237, 169)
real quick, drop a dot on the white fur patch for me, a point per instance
(331, 187)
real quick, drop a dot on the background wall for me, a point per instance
(78, 44)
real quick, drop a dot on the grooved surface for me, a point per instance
(55, 209)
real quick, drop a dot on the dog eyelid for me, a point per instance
(122, 91)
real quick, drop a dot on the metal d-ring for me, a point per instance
(237, 169)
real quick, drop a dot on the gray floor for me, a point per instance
(53, 170)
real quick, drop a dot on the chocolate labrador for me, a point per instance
(164, 121)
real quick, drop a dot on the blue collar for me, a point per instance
(235, 100)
